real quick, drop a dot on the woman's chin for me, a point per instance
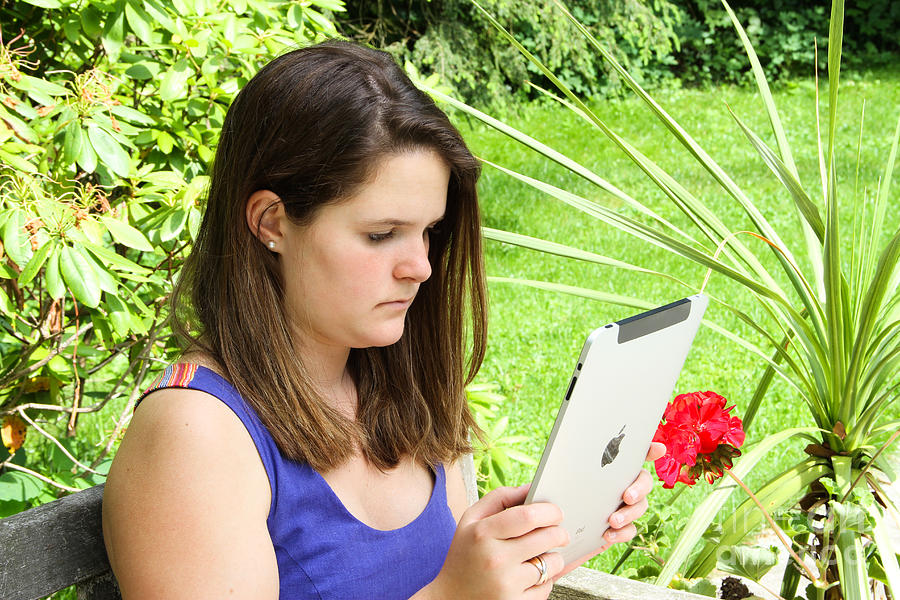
(383, 339)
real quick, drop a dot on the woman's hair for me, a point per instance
(312, 126)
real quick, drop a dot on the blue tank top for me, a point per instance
(322, 550)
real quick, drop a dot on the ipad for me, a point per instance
(623, 380)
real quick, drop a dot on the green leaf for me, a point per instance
(87, 160)
(165, 142)
(74, 142)
(37, 261)
(173, 224)
(91, 21)
(113, 259)
(745, 561)
(15, 238)
(17, 162)
(55, 286)
(18, 486)
(335, 5)
(194, 219)
(110, 152)
(79, 276)
(114, 35)
(174, 82)
(45, 3)
(119, 316)
(139, 21)
(130, 114)
(105, 279)
(41, 86)
(850, 517)
(126, 235)
(143, 70)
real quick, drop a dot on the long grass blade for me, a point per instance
(547, 247)
(556, 157)
(763, 86)
(762, 387)
(616, 299)
(702, 157)
(699, 214)
(813, 249)
(836, 309)
(788, 179)
(709, 506)
(851, 562)
(645, 232)
(869, 322)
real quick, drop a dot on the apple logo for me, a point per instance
(612, 448)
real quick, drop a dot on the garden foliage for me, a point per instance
(109, 113)
(829, 287)
(658, 41)
(449, 37)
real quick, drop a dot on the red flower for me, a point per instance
(701, 439)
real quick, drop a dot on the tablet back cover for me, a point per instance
(625, 377)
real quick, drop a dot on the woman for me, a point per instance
(305, 446)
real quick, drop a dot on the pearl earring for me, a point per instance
(271, 244)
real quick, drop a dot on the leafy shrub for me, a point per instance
(782, 33)
(109, 113)
(658, 41)
(451, 38)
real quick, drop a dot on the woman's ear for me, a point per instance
(265, 217)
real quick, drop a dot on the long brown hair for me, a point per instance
(311, 126)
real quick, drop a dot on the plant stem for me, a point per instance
(778, 532)
(865, 469)
(772, 592)
(28, 471)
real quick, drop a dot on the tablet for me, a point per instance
(623, 380)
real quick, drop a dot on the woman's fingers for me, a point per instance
(516, 521)
(624, 534)
(627, 514)
(639, 488)
(657, 450)
(496, 501)
(531, 573)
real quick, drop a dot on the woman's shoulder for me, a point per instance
(187, 467)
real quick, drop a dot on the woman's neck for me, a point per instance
(327, 368)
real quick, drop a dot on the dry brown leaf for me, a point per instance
(12, 433)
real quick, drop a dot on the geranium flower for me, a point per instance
(701, 438)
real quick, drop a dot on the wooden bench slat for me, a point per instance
(52, 546)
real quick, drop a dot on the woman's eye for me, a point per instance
(380, 237)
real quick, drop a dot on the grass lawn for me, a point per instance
(535, 336)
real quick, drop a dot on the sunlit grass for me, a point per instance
(535, 336)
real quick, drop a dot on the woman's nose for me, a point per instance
(414, 263)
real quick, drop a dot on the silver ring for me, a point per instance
(541, 566)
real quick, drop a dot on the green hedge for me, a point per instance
(659, 41)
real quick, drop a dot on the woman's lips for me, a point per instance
(398, 304)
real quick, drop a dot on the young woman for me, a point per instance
(306, 445)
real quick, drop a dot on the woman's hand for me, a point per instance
(634, 505)
(494, 539)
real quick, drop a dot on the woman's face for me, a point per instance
(351, 275)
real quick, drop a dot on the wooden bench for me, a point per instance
(56, 545)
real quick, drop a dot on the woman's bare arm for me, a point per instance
(185, 505)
